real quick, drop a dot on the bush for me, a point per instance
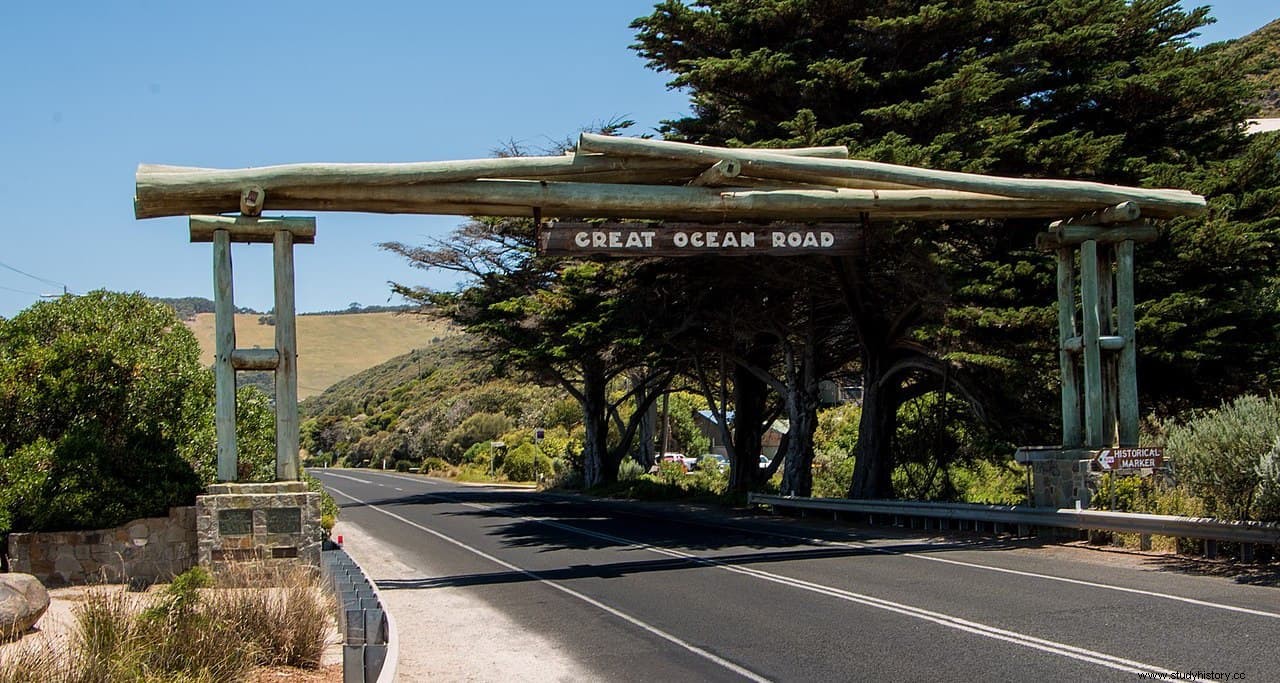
(479, 428)
(525, 463)
(1267, 504)
(434, 464)
(629, 469)
(1220, 454)
(402, 465)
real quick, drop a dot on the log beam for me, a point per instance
(248, 229)
(255, 359)
(817, 170)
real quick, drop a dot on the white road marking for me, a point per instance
(343, 476)
(976, 628)
(397, 488)
(741, 671)
(1002, 570)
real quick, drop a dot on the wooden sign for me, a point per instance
(696, 239)
(1130, 458)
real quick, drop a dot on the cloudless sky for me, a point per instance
(88, 90)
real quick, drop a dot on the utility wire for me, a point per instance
(47, 281)
(20, 291)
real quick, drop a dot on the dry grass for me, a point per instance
(187, 633)
(331, 347)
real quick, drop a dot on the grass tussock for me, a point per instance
(190, 632)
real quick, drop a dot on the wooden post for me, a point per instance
(1092, 351)
(1106, 328)
(1071, 435)
(1127, 367)
(287, 370)
(224, 345)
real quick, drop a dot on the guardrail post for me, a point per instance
(1246, 552)
(1144, 541)
(1210, 549)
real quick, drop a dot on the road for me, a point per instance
(657, 593)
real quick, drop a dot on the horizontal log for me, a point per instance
(255, 359)
(1070, 235)
(251, 229)
(1124, 212)
(640, 240)
(580, 200)
(1153, 202)
(1105, 342)
(166, 190)
(721, 173)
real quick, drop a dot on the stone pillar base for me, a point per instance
(271, 525)
(1059, 476)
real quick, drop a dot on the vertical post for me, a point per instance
(1107, 327)
(1071, 436)
(287, 370)
(1092, 352)
(224, 322)
(1128, 363)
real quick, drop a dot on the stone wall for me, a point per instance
(152, 549)
(1059, 483)
(274, 524)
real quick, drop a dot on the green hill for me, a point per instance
(433, 401)
(1263, 64)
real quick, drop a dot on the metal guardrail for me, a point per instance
(369, 642)
(1211, 530)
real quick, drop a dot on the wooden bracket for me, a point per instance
(249, 229)
(1068, 235)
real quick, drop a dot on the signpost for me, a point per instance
(1112, 459)
(636, 239)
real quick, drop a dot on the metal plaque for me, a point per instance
(235, 522)
(284, 520)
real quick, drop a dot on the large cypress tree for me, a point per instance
(1093, 89)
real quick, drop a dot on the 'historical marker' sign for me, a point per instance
(1131, 458)
(695, 239)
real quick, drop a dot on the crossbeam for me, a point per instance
(253, 230)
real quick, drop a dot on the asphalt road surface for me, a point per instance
(661, 593)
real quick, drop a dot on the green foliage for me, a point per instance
(670, 472)
(102, 405)
(402, 465)
(629, 470)
(991, 483)
(328, 506)
(434, 465)
(685, 435)
(525, 463)
(832, 472)
(480, 427)
(1219, 453)
(1267, 504)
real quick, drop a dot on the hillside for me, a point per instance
(331, 347)
(433, 401)
(1263, 64)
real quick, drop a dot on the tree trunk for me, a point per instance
(749, 397)
(873, 468)
(595, 452)
(802, 412)
(646, 450)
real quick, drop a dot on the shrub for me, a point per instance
(478, 428)
(670, 472)
(1218, 453)
(402, 465)
(434, 464)
(525, 463)
(629, 469)
(1267, 504)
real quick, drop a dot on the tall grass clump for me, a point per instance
(189, 632)
(629, 469)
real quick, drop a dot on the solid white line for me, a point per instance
(976, 628)
(1002, 570)
(741, 671)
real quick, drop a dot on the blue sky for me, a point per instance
(88, 90)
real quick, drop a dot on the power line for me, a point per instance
(20, 291)
(47, 281)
